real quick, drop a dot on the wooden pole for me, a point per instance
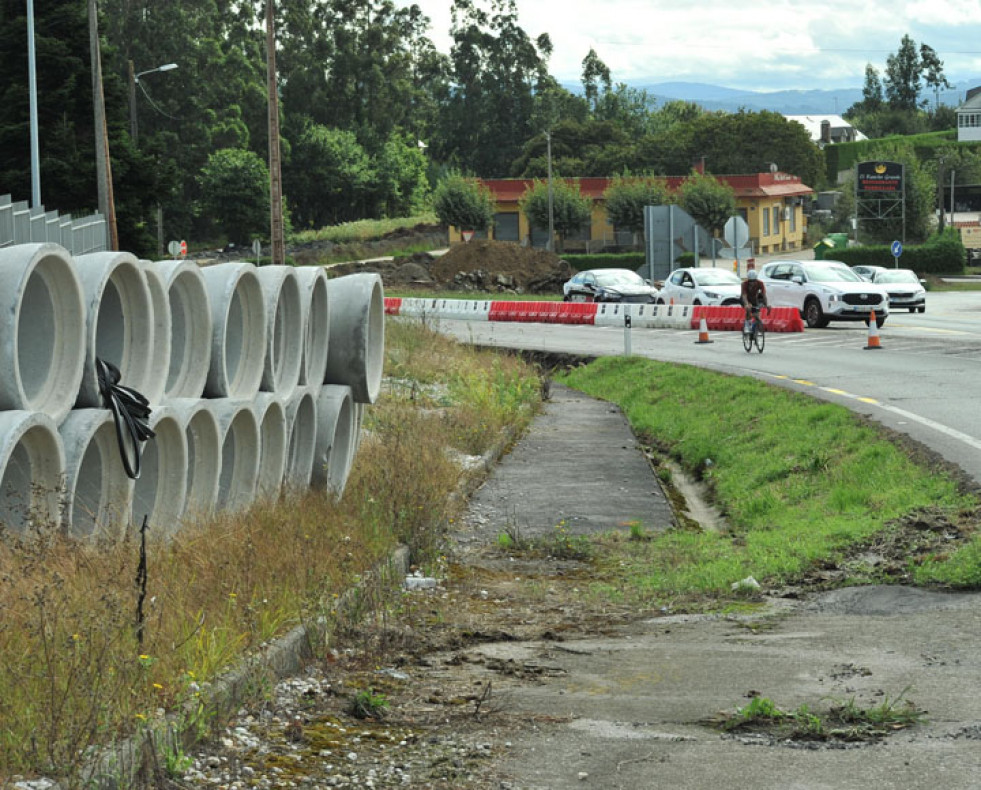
(277, 241)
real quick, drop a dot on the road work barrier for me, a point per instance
(731, 318)
(257, 379)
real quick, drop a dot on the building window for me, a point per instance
(793, 218)
(766, 222)
(506, 226)
(776, 220)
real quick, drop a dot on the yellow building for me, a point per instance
(771, 203)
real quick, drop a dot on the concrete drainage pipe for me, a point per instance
(335, 438)
(284, 329)
(239, 432)
(160, 354)
(315, 304)
(203, 437)
(32, 461)
(190, 329)
(238, 316)
(301, 426)
(160, 493)
(357, 314)
(98, 492)
(271, 414)
(119, 322)
(42, 330)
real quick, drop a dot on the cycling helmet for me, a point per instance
(751, 274)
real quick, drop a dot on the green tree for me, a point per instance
(570, 210)
(235, 186)
(595, 75)
(932, 68)
(330, 176)
(463, 203)
(709, 202)
(401, 177)
(626, 198)
(902, 82)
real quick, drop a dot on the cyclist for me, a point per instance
(753, 296)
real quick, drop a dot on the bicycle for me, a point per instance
(756, 334)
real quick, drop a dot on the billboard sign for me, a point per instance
(878, 178)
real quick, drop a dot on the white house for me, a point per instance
(969, 116)
(825, 129)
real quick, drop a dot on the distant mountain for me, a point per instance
(791, 102)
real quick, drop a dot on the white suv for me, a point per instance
(823, 291)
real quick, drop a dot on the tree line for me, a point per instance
(372, 116)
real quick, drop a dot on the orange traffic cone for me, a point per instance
(873, 341)
(703, 332)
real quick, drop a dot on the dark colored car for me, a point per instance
(609, 285)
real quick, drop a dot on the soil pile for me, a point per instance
(479, 265)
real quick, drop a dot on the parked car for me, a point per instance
(701, 286)
(868, 272)
(609, 285)
(905, 289)
(823, 291)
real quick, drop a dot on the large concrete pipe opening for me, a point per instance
(357, 331)
(203, 437)
(315, 304)
(239, 431)
(32, 464)
(157, 380)
(284, 329)
(190, 328)
(301, 421)
(119, 322)
(98, 492)
(160, 493)
(271, 414)
(238, 315)
(42, 329)
(335, 438)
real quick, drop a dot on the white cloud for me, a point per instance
(751, 45)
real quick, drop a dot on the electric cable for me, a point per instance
(130, 411)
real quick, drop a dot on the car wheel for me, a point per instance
(912, 309)
(660, 301)
(813, 314)
(696, 303)
(922, 309)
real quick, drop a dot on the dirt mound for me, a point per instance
(479, 265)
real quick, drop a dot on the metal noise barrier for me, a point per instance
(248, 394)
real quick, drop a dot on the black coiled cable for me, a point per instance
(130, 411)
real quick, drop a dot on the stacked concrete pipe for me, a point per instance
(118, 322)
(238, 315)
(190, 328)
(284, 329)
(32, 462)
(42, 330)
(257, 379)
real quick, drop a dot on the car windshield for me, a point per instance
(618, 277)
(897, 276)
(716, 277)
(831, 274)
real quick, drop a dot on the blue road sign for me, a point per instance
(897, 249)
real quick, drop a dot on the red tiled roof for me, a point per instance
(510, 190)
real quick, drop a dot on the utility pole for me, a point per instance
(103, 167)
(277, 241)
(941, 221)
(32, 86)
(551, 224)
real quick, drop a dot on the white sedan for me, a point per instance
(697, 285)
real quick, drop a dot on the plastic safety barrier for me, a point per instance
(717, 318)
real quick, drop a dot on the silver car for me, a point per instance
(905, 289)
(697, 285)
(608, 285)
(823, 291)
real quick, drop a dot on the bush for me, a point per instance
(606, 260)
(941, 254)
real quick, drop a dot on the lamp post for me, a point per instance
(551, 224)
(32, 83)
(134, 80)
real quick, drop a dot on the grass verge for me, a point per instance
(75, 670)
(803, 484)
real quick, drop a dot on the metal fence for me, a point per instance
(21, 224)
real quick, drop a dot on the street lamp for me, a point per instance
(134, 80)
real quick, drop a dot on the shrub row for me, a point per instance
(941, 254)
(606, 260)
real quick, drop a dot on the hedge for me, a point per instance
(941, 254)
(606, 260)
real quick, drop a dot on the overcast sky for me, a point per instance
(750, 45)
